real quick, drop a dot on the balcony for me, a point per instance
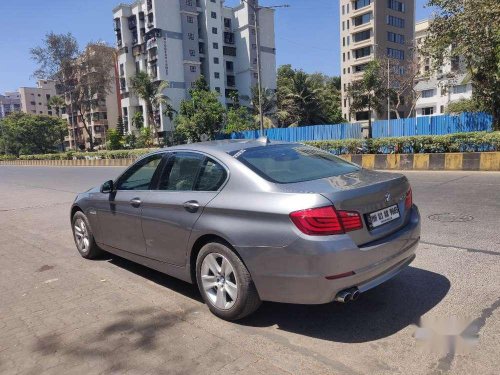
(229, 51)
(150, 5)
(132, 23)
(116, 24)
(228, 37)
(138, 50)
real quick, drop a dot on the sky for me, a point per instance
(307, 33)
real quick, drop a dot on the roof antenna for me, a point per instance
(264, 140)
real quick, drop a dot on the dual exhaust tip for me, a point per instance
(347, 295)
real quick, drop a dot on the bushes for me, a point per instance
(70, 155)
(459, 142)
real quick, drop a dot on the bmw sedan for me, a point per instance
(251, 221)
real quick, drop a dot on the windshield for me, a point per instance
(289, 163)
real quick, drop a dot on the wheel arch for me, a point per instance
(198, 245)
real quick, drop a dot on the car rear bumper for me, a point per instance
(297, 273)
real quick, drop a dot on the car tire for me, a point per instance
(231, 299)
(83, 236)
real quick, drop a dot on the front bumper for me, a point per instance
(297, 273)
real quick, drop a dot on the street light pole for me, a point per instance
(255, 10)
(388, 92)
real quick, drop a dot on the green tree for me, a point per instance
(120, 127)
(463, 105)
(201, 115)
(57, 102)
(469, 30)
(268, 105)
(23, 133)
(115, 139)
(368, 93)
(239, 119)
(138, 120)
(152, 92)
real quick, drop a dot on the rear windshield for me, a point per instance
(289, 163)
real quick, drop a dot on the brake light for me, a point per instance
(324, 221)
(409, 199)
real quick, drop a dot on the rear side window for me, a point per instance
(188, 171)
(291, 163)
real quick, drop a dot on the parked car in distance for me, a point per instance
(251, 221)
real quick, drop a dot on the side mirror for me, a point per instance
(107, 187)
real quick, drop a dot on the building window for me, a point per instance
(227, 23)
(216, 75)
(254, 46)
(190, 36)
(229, 51)
(363, 35)
(214, 30)
(395, 54)
(213, 15)
(192, 52)
(343, 56)
(358, 4)
(396, 5)
(396, 22)
(189, 3)
(343, 25)
(229, 66)
(362, 52)
(343, 41)
(343, 9)
(190, 19)
(215, 45)
(441, 109)
(428, 93)
(192, 69)
(347, 24)
(395, 38)
(231, 81)
(216, 60)
(359, 68)
(460, 89)
(427, 111)
(348, 39)
(217, 89)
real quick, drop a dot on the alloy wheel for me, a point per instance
(82, 235)
(219, 281)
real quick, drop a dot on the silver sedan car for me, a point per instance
(251, 221)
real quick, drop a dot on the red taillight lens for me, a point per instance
(350, 220)
(325, 221)
(409, 199)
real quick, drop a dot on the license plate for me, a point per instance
(378, 218)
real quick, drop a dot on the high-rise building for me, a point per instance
(34, 99)
(372, 29)
(436, 88)
(10, 102)
(178, 40)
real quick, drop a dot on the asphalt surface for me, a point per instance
(62, 314)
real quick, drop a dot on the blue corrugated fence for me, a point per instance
(426, 125)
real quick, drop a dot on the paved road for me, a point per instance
(62, 314)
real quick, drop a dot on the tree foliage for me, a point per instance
(115, 139)
(463, 105)
(368, 93)
(200, 116)
(469, 29)
(22, 133)
(153, 94)
(307, 99)
(58, 103)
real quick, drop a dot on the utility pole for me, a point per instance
(255, 10)
(388, 92)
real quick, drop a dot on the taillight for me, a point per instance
(326, 221)
(409, 199)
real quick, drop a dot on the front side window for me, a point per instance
(290, 163)
(139, 176)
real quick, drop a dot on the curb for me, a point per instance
(470, 161)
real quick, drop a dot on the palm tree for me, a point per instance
(303, 100)
(152, 93)
(56, 102)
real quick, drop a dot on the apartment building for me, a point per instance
(102, 115)
(10, 102)
(437, 88)
(178, 40)
(372, 29)
(34, 100)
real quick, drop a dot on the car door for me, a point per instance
(188, 182)
(120, 215)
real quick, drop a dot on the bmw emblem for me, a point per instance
(387, 197)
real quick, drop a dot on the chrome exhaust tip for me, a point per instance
(355, 294)
(343, 296)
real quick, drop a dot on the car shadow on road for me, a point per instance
(377, 313)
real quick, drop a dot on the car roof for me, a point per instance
(226, 145)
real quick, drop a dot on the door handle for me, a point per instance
(136, 202)
(191, 206)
